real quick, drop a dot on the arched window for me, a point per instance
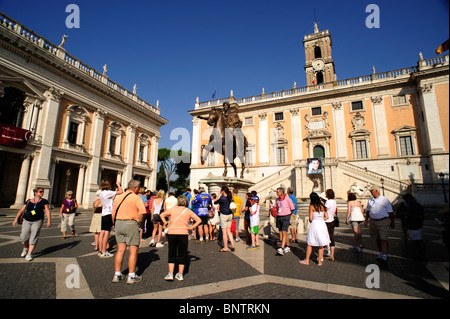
(319, 77)
(318, 151)
(317, 52)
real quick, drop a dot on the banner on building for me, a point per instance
(13, 136)
(314, 165)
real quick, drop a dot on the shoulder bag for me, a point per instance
(117, 210)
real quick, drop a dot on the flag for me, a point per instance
(214, 94)
(442, 48)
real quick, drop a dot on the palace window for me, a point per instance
(406, 145)
(281, 156)
(12, 108)
(248, 121)
(316, 111)
(318, 151)
(143, 145)
(361, 149)
(399, 100)
(405, 140)
(249, 158)
(279, 116)
(112, 145)
(357, 106)
(76, 117)
(73, 133)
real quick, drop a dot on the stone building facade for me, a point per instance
(388, 129)
(78, 127)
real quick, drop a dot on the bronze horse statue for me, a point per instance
(230, 143)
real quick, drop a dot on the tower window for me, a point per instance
(317, 52)
(319, 77)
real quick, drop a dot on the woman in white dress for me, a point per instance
(356, 217)
(318, 233)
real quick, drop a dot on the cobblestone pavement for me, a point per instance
(70, 269)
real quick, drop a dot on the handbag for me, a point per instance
(233, 207)
(233, 226)
(336, 219)
(274, 211)
(211, 212)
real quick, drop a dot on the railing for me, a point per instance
(27, 34)
(361, 80)
(387, 181)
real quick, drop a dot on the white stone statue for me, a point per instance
(134, 89)
(360, 191)
(63, 41)
(105, 70)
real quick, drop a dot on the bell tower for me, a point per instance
(319, 64)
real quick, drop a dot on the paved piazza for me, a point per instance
(256, 274)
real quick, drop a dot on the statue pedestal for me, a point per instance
(215, 183)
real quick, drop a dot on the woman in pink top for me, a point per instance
(177, 235)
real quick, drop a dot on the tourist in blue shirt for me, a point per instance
(294, 218)
(202, 204)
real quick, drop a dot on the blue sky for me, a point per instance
(175, 51)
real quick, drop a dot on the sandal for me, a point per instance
(232, 248)
(222, 250)
(303, 262)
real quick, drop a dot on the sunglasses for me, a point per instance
(42, 192)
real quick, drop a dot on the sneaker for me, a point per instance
(280, 251)
(251, 247)
(118, 278)
(169, 277)
(287, 249)
(159, 245)
(152, 243)
(24, 252)
(179, 277)
(28, 257)
(238, 239)
(384, 257)
(107, 254)
(133, 280)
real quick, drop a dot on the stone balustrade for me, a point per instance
(59, 52)
(346, 83)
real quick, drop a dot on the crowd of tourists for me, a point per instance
(137, 214)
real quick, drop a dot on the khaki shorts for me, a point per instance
(294, 221)
(226, 220)
(127, 231)
(380, 228)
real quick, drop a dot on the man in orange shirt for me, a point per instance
(128, 213)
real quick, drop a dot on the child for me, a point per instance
(254, 222)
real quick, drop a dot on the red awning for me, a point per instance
(13, 136)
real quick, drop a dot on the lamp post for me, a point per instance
(382, 184)
(441, 177)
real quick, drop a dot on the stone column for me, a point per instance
(297, 146)
(23, 182)
(93, 171)
(380, 124)
(340, 137)
(263, 139)
(196, 141)
(47, 131)
(80, 184)
(129, 152)
(432, 120)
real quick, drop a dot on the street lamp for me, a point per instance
(382, 184)
(441, 177)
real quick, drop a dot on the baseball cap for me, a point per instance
(255, 198)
